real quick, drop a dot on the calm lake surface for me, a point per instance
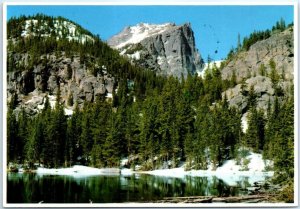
(33, 188)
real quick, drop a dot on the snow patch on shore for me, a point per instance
(78, 171)
(173, 172)
(229, 172)
(124, 161)
(231, 178)
(126, 172)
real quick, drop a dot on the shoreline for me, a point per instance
(230, 172)
(170, 172)
(229, 177)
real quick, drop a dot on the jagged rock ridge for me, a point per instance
(167, 49)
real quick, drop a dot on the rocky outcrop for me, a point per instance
(263, 90)
(167, 49)
(238, 96)
(279, 47)
(75, 82)
(247, 67)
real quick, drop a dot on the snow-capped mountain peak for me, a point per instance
(137, 33)
(168, 49)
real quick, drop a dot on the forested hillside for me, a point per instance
(154, 121)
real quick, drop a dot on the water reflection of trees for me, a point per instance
(99, 189)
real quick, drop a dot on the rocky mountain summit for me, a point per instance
(46, 55)
(167, 49)
(44, 27)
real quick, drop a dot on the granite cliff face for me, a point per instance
(77, 84)
(167, 49)
(248, 65)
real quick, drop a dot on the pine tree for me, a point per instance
(72, 149)
(111, 151)
(233, 80)
(262, 70)
(55, 133)
(202, 136)
(12, 136)
(274, 74)
(35, 142)
(189, 150)
(239, 45)
(252, 97)
(255, 135)
(280, 140)
(100, 127)
(86, 138)
(149, 130)
(70, 101)
(132, 130)
(23, 132)
(184, 121)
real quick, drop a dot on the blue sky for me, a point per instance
(216, 28)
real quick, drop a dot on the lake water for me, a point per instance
(33, 188)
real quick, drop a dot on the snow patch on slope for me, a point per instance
(244, 121)
(136, 55)
(160, 60)
(52, 101)
(209, 66)
(58, 27)
(68, 111)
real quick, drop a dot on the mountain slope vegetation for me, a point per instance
(154, 121)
